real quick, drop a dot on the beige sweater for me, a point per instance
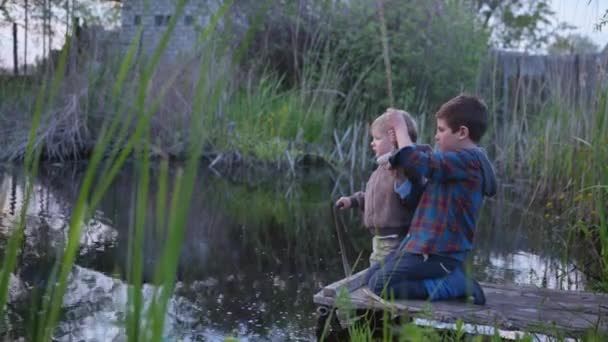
(383, 212)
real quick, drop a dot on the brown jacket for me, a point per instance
(383, 212)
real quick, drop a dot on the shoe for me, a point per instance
(479, 298)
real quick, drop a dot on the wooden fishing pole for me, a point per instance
(345, 265)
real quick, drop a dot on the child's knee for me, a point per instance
(372, 281)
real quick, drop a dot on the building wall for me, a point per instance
(154, 16)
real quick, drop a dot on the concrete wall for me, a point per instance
(154, 15)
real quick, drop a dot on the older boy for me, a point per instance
(443, 227)
(385, 214)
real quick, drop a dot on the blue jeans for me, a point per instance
(401, 274)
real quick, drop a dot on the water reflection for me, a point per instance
(530, 269)
(256, 248)
(516, 245)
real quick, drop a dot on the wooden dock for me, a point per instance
(513, 310)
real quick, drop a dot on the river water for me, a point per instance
(257, 247)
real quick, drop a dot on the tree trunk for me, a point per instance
(15, 56)
(67, 19)
(68, 42)
(25, 38)
(385, 51)
(50, 26)
(43, 30)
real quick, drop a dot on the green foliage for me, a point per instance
(595, 336)
(561, 148)
(360, 332)
(459, 334)
(520, 24)
(264, 121)
(572, 44)
(260, 119)
(413, 333)
(434, 50)
(603, 21)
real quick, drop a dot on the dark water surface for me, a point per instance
(257, 247)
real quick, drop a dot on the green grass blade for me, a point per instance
(161, 197)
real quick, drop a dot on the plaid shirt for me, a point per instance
(444, 222)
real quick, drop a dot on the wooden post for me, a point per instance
(15, 56)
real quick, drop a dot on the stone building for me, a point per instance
(154, 17)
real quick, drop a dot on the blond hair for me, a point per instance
(381, 123)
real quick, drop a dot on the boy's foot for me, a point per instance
(479, 298)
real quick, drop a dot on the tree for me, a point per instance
(46, 17)
(435, 48)
(26, 18)
(519, 24)
(572, 44)
(603, 21)
(5, 11)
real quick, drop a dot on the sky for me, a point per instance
(34, 46)
(583, 14)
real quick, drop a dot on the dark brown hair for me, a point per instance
(468, 111)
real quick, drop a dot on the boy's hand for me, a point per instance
(399, 126)
(392, 136)
(344, 203)
(395, 118)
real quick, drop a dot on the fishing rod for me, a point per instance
(345, 265)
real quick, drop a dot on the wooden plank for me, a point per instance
(564, 296)
(500, 316)
(521, 308)
(544, 303)
(351, 283)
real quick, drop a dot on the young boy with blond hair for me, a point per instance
(386, 214)
(428, 263)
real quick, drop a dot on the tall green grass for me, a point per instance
(554, 148)
(140, 325)
(265, 120)
(260, 118)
